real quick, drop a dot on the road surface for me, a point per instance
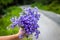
(49, 25)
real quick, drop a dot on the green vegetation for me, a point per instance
(40, 6)
(54, 6)
(5, 21)
(5, 2)
(3, 5)
(27, 38)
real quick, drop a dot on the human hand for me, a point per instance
(21, 32)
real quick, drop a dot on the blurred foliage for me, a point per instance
(5, 21)
(28, 1)
(13, 11)
(39, 5)
(44, 2)
(5, 2)
(3, 5)
(47, 2)
(25, 38)
(54, 6)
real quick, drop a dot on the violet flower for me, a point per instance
(28, 21)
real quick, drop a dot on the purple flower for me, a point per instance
(28, 21)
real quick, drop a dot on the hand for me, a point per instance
(13, 37)
(21, 32)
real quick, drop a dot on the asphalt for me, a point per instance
(49, 29)
(55, 17)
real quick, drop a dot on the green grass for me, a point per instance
(52, 7)
(5, 21)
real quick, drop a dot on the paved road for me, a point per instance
(49, 26)
(52, 15)
(50, 30)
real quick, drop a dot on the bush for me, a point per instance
(40, 6)
(5, 21)
(54, 6)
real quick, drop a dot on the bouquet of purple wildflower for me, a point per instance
(28, 21)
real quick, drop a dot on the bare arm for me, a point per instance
(12, 37)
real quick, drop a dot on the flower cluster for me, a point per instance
(28, 21)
